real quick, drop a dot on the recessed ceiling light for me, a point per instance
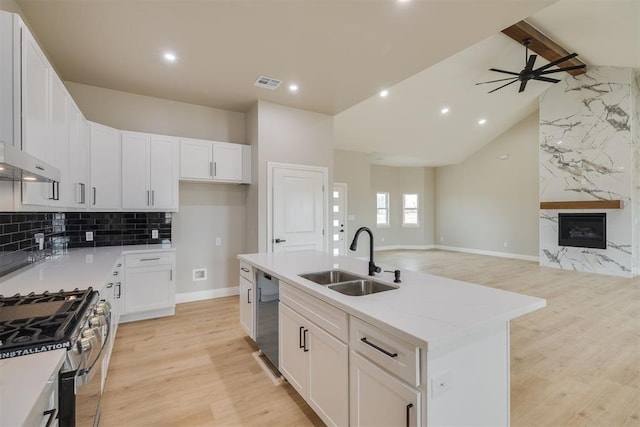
(404, 1)
(293, 87)
(384, 93)
(482, 121)
(170, 57)
(445, 110)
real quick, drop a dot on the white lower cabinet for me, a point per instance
(316, 364)
(246, 306)
(149, 285)
(380, 399)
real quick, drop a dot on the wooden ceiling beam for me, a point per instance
(542, 45)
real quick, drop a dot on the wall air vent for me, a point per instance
(267, 82)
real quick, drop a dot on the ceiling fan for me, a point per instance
(528, 73)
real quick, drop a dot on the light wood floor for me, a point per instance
(574, 363)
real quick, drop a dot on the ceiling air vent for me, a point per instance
(267, 82)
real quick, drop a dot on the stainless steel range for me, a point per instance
(73, 320)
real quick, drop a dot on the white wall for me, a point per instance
(287, 135)
(206, 211)
(484, 201)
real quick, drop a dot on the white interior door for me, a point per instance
(297, 208)
(338, 219)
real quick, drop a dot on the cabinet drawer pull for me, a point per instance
(52, 413)
(364, 340)
(248, 296)
(150, 259)
(119, 287)
(94, 195)
(109, 285)
(246, 270)
(409, 406)
(300, 344)
(304, 340)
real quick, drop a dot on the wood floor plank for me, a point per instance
(574, 363)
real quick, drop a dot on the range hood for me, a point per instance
(16, 165)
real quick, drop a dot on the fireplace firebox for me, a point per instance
(582, 230)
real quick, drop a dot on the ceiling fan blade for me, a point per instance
(575, 67)
(545, 79)
(523, 84)
(556, 62)
(503, 71)
(530, 62)
(510, 83)
(499, 80)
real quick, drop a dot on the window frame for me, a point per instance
(405, 209)
(386, 224)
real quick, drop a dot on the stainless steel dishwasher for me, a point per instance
(267, 316)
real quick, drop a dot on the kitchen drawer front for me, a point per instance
(246, 271)
(397, 356)
(149, 259)
(328, 317)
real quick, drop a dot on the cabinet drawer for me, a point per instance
(149, 259)
(391, 353)
(328, 317)
(246, 271)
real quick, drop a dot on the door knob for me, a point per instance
(279, 240)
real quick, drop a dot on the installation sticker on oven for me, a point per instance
(34, 350)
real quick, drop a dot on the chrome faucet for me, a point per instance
(373, 269)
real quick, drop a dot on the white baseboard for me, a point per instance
(208, 294)
(490, 253)
(405, 247)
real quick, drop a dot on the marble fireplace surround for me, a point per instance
(590, 152)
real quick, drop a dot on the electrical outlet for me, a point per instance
(218, 241)
(89, 236)
(154, 234)
(199, 274)
(441, 384)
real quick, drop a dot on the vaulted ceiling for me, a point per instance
(341, 53)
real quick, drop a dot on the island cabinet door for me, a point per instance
(292, 355)
(380, 399)
(328, 391)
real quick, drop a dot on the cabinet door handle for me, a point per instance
(304, 337)
(211, 169)
(364, 340)
(171, 275)
(409, 406)
(53, 191)
(94, 195)
(246, 270)
(248, 296)
(58, 190)
(119, 288)
(52, 413)
(215, 169)
(109, 285)
(153, 198)
(300, 333)
(148, 198)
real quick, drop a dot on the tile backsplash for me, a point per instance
(19, 247)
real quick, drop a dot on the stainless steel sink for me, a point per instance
(361, 287)
(329, 277)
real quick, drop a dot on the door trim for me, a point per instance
(325, 200)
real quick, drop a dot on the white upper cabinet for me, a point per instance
(149, 172)
(58, 144)
(212, 161)
(79, 140)
(105, 168)
(10, 94)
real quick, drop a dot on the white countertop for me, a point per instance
(433, 309)
(78, 268)
(23, 378)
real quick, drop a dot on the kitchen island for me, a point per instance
(437, 348)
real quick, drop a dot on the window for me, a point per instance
(382, 212)
(410, 210)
